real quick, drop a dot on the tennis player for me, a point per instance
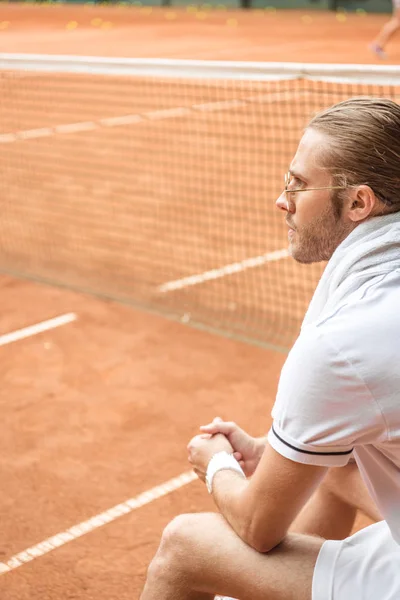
(334, 445)
(387, 31)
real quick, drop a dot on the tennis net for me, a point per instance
(153, 181)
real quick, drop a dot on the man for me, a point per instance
(387, 31)
(336, 419)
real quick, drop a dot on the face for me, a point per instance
(315, 228)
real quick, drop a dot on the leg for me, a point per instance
(200, 555)
(332, 510)
(386, 33)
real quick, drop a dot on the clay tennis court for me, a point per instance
(98, 408)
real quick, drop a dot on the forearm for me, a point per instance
(229, 490)
(261, 509)
(250, 519)
(230, 494)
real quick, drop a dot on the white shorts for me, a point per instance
(364, 566)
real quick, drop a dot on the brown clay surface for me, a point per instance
(100, 410)
(298, 36)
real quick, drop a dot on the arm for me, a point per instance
(321, 409)
(262, 509)
(248, 506)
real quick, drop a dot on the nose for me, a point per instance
(282, 202)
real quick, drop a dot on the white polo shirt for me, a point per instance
(339, 392)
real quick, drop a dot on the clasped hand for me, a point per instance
(223, 435)
(202, 448)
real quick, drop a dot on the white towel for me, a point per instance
(370, 250)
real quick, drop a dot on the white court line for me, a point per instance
(122, 120)
(30, 134)
(169, 113)
(21, 334)
(237, 267)
(153, 115)
(95, 522)
(75, 127)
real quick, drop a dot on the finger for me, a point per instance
(237, 455)
(213, 422)
(220, 427)
(211, 428)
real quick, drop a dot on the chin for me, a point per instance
(295, 253)
(303, 257)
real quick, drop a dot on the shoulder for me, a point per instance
(314, 357)
(351, 349)
(365, 330)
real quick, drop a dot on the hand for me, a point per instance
(247, 449)
(202, 448)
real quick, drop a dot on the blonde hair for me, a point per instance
(364, 146)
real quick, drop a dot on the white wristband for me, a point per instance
(221, 460)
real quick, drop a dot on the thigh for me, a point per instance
(217, 561)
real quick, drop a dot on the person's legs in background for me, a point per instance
(388, 30)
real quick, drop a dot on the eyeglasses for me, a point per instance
(288, 180)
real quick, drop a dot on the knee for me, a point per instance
(176, 548)
(178, 536)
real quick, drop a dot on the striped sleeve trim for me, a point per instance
(311, 451)
(310, 455)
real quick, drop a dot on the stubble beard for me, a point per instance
(317, 241)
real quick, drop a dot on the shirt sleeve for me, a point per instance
(323, 408)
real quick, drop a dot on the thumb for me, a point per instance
(214, 422)
(218, 427)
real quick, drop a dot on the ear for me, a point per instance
(361, 203)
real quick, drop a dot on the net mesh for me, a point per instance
(160, 191)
